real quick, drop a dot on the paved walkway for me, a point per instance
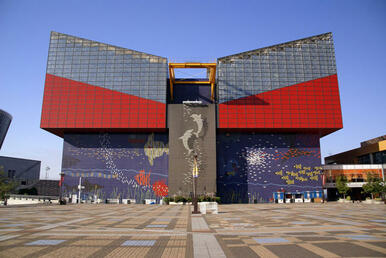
(267, 230)
(204, 244)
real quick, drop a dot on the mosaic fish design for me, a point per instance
(154, 149)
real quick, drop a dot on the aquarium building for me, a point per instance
(131, 129)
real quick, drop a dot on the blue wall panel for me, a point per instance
(250, 167)
(116, 165)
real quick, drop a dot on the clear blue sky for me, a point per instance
(190, 30)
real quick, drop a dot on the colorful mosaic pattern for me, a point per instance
(128, 166)
(250, 167)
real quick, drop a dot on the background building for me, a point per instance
(23, 171)
(371, 152)
(5, 122)
(131, 129)
(42, 187)
(356, 165)
(357, 176)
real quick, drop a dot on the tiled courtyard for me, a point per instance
(265, 230)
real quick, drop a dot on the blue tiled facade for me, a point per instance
(251, 167)
(114, 166)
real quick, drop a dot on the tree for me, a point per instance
(6, 185)
(341, 185)
(374, 185)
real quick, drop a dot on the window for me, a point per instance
(11, 173)
(364, 159)
(379, 157)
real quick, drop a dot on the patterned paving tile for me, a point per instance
(340, 232)
(157, 226)
(380, 244)
(139, 243)
(6, 237)
(115, 219)
(301, 222)
(294, 250)
(315, 238)
(94, 242)
(360, 237)
(67, 251)
(129, 252)
(242, 224)
(349, 249)
(163, 219)
(271, 240)
(11, 225)
(46, 242)
(100, 230)
(21, 251)
(301, 233)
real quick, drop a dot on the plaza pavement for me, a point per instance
(239, 230)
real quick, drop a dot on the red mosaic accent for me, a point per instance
(72, 104)
(160, 188)
(310, 105)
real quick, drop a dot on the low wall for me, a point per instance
(15, 199)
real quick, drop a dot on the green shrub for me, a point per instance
(374, 186)
(180, 199)
(208, 199)
(348, 198)
(183, 199)
(341, 185)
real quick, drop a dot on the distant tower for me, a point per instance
(47, 169)
(5, 121)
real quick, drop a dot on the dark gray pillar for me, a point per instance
(192, 131)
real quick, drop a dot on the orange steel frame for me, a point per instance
(211, 67)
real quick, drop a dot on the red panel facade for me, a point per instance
(309, 105)
(69, 104)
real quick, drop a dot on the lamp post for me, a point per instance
(195, 175)
(60, 187)
(80, 187)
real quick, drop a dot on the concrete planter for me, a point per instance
(204, 207)
(370, 201)
(150, 201)
(176, 203)
(344, 201)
